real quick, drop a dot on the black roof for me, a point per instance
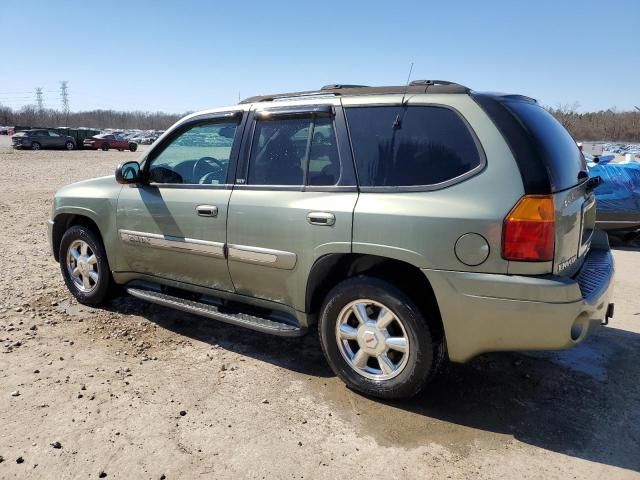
(416, 86)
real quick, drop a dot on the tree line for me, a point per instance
(609, 125)
(30, 116)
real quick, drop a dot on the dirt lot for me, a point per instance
(139, 391)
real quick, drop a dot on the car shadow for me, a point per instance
(583, 402)
(301, 354)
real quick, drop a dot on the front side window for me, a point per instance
(198, 156)
(284, 149)
(410, 146)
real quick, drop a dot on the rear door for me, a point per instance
(43, 138)
(293, 200)
(174, 225)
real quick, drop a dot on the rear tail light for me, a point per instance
(529, 230)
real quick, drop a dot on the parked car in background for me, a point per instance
(42, 138)
(617, 196)
(105, 141)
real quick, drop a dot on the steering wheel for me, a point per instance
(209, 175)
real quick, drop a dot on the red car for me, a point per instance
(105, 141)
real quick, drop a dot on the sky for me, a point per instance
(179, 56)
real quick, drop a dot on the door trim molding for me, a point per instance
(262, 256)
(168, 242)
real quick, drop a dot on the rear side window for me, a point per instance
(399, 146)
(283, 148)
(552, 143)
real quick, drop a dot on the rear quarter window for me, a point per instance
(553, 144)
(396, 146)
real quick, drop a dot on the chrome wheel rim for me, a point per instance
(69, 146)
(372, 339)
(82, 266)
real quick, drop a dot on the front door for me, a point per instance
(174, 225)
(293, 200)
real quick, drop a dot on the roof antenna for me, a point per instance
(398, 121)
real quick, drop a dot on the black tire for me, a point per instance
(425, 353)
(105, 147)
(35, 146)
(133, 147)
(101, 289)
(69, 145)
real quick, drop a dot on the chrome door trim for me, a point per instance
(168, 242)
(262, 256)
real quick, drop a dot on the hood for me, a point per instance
(19, 134)
(95, 187)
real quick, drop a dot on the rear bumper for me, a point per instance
(489, 312)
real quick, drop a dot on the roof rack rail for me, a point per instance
(338, 86)
(415, 87)
(432, 82)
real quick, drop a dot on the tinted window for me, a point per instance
(199, 155)
(408, 146)
(324, 163)
(279, 152)
(553, 144)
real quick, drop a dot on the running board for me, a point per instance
(211, 311)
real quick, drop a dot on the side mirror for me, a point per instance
(128, 172)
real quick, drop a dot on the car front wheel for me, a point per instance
(376, 339)
(84, 266)
(35, 146)
(105, 147)
(69, 145)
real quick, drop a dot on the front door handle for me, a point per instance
(207, 210)
(321, 218)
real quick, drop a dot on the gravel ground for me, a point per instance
(134, 390)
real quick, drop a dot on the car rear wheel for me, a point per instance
(35, 146)
(105, 147)
(69, 145)
(376, 339)
(84, 266)
(133, 147)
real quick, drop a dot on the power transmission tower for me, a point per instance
(64, 97)
(40, 103)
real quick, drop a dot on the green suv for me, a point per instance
(410, 223)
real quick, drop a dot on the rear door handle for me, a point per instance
(207, 210)
(321, 218)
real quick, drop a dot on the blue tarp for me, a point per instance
(620, 191)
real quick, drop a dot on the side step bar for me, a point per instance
(211, 311)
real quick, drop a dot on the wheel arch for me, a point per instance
(331, 269)
(64, 221)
